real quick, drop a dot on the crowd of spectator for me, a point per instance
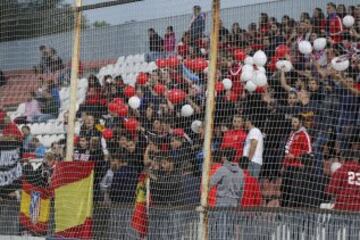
(284, 136)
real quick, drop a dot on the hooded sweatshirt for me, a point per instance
(229, 180)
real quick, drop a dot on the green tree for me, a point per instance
(20, 19)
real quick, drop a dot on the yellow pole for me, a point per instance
(209, 118)
(73, 83)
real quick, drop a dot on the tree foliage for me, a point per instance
(20, 19)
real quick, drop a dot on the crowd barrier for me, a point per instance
(183, 223)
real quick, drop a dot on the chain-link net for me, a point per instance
(285, 145)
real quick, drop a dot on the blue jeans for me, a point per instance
(254, 169)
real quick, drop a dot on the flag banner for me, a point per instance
(140, 219)
(72, 184)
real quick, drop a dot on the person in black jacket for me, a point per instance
(156, 46)
(307, 186)
(165, 184)
(124, 180)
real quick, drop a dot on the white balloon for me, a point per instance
(250, 86)
(227, 83)
(260, 58)
(348, 21)
(195, 126)
(284, 65)
(246, 76)
(261, 69)
(187, 110)
(249, 60)
(320, 44)
(334, 166)
(203, 51)
(259, 79)
(206, 70)
(247, 67)
(305, 47)
(340, 64)
(134, 102)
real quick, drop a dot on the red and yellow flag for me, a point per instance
(34, 208)
(140, 221)
(72, 185)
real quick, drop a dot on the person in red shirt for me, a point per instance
(235, 138)
(10, 130)
(298, 144)
(344, 184)
(334, 27)
(252, 194)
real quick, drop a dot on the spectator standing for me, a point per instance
(334, 27)
(254, 147)
(344, 184)
(156, 46)
(252, 192)
(298, 144)
(124, 181)
(165, 184)
(229, 180)
(169, 41)
(197, 25)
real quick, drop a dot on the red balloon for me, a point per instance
(142, 78)
(178, 132)
(219, 87)
(161, 63)
(129, 91)
(76, 140)
(281, 51)
(112, 107)
(199, 64)
(272, 64)
(189, 63)
(239, 55)
(176, 96)
(173, 62)
(159, 89)
(122, 110)
(118, 101)
(131, 124)
(107, 133)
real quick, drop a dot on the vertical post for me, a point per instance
(73, 82)
(209, 118)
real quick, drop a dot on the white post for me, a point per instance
(73, 83)
(209, 119)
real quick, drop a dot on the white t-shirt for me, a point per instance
(256, 134)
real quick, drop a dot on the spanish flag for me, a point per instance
(72, 185)
(34, 208)
(140, 220)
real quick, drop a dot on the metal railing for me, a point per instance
(182, 223)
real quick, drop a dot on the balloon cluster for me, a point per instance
(171, 62)
(253, 72)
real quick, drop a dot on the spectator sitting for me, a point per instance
(39, 149)
(156, 46)
(32, 110)
(229, 180)
(252, 193)
(169, 41)
(27, 138)
(124, 181)
(9, 129)
(50, 104)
